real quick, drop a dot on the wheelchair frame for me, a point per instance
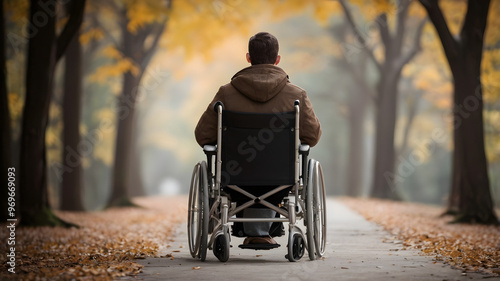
(210, 211)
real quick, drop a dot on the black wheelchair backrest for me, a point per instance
(258, 149)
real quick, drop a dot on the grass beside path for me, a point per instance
(102, 248)
(472, 248)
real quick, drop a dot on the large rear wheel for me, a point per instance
(198, 212)
(319, 210)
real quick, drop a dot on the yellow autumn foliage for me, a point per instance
(493, 27)
(454, 13)
(104, 72)
(83, 129)
(416, 10)
(112, 52)
(52, 138)
(18, 9)
(384, 7)
(143, 12)
(107, 114)
(199, 26)
(371, 9)
(15, 106)
(284, 9)
(93, 34)
(325, 9)
(492, 140)
(490, 75)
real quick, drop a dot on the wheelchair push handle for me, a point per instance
(216, 105)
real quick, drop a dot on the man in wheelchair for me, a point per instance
(262, 88)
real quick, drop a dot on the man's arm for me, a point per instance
(310, 128)
(206, 130)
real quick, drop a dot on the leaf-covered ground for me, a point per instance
(102, 248)
(468, 247)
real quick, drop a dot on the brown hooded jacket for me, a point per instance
(262, 88)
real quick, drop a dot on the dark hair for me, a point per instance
(263, 48)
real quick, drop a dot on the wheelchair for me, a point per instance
(256, 150)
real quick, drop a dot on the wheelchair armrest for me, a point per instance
(210, 149)
(304, 149)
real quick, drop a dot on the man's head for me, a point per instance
(263, 49)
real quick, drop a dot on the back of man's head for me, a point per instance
(263, 48)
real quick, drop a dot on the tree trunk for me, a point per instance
(357, 112)
(5, 139)
(121, 172)
(120, 195)
(384, 179)
(71, 189)
(470, 198)
(135, 177)
(133, 48)
(43, 52)
(33, 167)
(383, 184)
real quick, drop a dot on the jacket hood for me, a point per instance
(260, 82)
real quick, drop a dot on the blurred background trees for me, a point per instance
(389, 70)
(119, 119)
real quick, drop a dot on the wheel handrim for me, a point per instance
(320, 211)
(310, 211)
(198, 212)
(194, 213)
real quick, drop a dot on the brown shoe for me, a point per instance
(259, 243)
(260, 240)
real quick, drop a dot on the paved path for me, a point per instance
(355, 252)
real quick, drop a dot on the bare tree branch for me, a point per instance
(417, 46)
(148, 54)
(402, 14)
(97, 22)
(160, 28)
(450, 44)
(384, 31)
(77, 9)
(358, 35)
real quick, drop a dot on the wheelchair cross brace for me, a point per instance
(258, 200)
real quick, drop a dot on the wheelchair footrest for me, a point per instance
(259, 246)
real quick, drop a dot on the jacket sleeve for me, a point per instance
(310, 128)
(206, 130)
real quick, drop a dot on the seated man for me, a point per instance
(261, 88)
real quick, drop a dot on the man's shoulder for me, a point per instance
(292, 88)
(226, 87)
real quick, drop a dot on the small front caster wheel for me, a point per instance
(221, 247)
(296, 247)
